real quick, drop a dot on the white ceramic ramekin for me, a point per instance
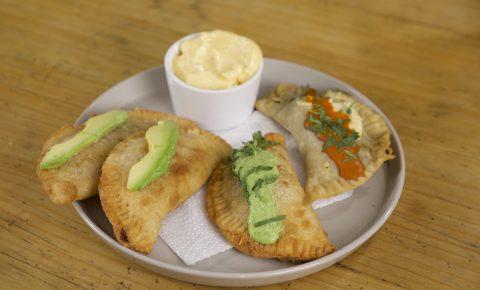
(211, 109)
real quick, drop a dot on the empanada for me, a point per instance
(302, 237)
(78, 178)
(332, 167)
(136, 215)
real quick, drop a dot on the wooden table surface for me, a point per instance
(419, 61)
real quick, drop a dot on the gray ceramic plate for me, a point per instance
(349, 223)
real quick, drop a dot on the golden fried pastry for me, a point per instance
(136, 215)
(342, 140)
(300, 236)
(78, 178)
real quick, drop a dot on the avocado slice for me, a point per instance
(162, 142)
(95, 128)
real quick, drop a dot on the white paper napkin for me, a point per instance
(189, 232)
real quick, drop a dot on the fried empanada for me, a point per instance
(302, 237)
(136, 215)
(285, 106)
(78, 178)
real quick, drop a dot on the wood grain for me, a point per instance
(419, 61)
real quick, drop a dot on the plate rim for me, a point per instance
(295, 269)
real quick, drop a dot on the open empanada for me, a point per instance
(78, 178)
(136, 215)
(288, 105)
(302, 237)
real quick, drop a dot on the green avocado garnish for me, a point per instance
(256, 168)
(95, 128)
(162, 142)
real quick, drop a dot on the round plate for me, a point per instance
(349, 223)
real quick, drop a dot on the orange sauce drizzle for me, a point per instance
(348, 168)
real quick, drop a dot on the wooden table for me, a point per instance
(419, 61)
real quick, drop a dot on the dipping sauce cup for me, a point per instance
(212, 109)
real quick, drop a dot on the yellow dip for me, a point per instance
(217, 60)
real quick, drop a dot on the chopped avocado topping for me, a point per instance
(95, 128)
(162, 142)
(256, 168)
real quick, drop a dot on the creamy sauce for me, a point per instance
(257, 171)
(217, 60)
(342, 104)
